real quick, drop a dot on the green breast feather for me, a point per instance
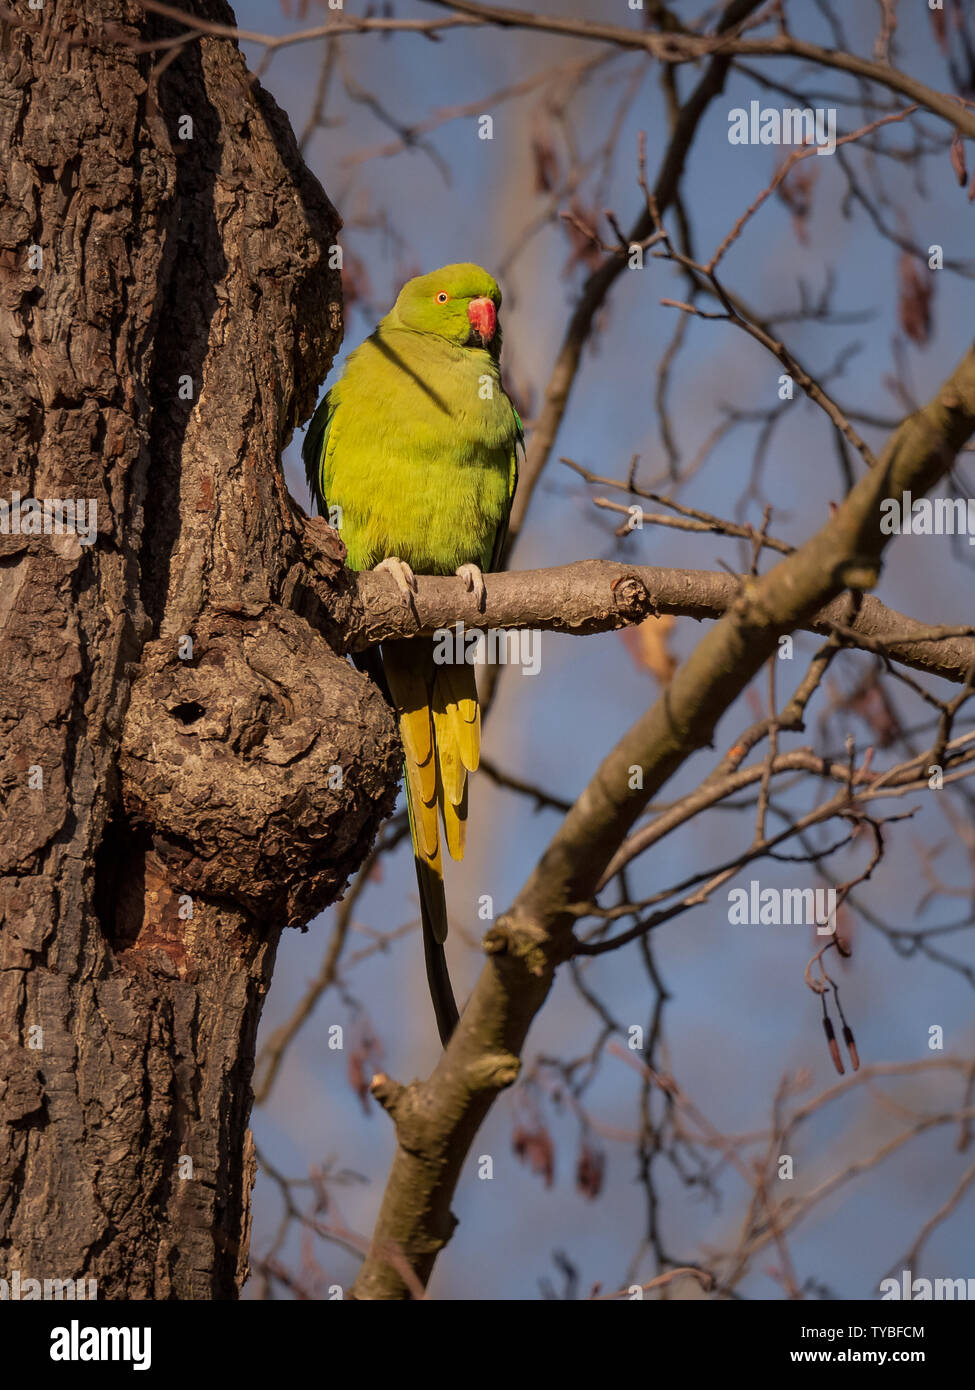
(416, 447)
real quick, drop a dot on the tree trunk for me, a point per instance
(188, 765)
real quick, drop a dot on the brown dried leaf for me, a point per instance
(958, 159)
(914, 305)
(545, 162)
(647, 645)
(590, 1168)
(535, 1147)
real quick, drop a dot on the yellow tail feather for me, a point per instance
(453, 773)
(455, 826)
(426, 837)
(459, 695)
(440, 725)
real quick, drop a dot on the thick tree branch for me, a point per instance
(602, 595)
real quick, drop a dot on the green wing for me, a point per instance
(501, 538)
(313, 451)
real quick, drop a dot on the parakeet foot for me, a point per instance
(473, 582)
(402, 574)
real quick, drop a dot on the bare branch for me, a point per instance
(603, 595)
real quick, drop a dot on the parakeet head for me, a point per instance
(456, 302)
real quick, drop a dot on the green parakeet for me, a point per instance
(417, 445)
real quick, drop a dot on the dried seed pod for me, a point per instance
(834, 1047)
(851, 1046)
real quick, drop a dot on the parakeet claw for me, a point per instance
(473, 582)
(402, 574)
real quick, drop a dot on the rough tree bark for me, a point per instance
(170, 715)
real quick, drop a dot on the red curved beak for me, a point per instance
(483, 317)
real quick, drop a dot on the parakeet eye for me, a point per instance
(442, 297)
